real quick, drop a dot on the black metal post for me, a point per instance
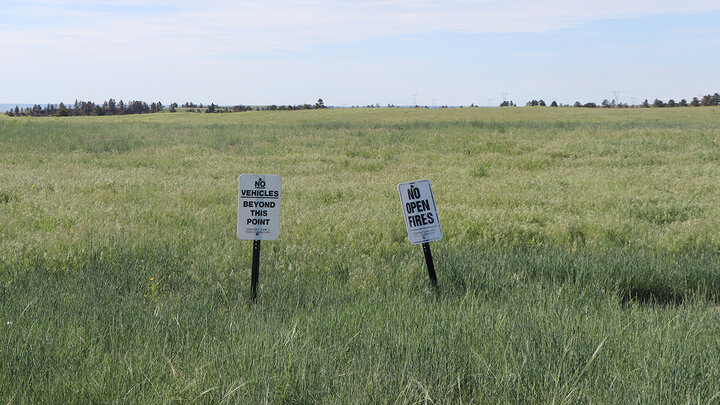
(255, 269)
(429, 262)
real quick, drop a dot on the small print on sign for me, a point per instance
(259, 207)
(420, 212)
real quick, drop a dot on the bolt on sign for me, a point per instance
(420, 212)
(259, 207)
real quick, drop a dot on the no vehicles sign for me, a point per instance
(421, 218)
(259, 207)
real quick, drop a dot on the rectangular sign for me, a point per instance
(259, 207)
(421, 218)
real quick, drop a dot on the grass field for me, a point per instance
(580, 263)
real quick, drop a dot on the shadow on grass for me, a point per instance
(651, 296)
(637, 276)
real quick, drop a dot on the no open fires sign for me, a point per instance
(421, 218)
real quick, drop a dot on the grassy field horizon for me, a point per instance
(580, 262)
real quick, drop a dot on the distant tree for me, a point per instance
(577, 104)
(541, 103)
(658, 103)
(88, 108)
(211, 108)
(137, 107)
(111, 107)
(645, 104)
(695, 102)
(62, 111)
(671, 103)
(319, 104)
(605, 103)
(554, 104)
(590, 105)
(683, 103)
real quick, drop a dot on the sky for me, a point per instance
(400, 52)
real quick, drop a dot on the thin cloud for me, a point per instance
(273, 25)
(154, 47)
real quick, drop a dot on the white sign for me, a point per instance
(421, 218)
(259, 207)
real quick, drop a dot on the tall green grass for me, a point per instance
(579, 264)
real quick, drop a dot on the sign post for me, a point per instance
(255, 272)
(429, 263)
(421, 218)
(258, 215)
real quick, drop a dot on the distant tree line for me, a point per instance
(707, 100)
(320, 104)
(214, 108)
(110, 107)
(82, 108)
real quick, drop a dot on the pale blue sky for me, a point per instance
(356, 53)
